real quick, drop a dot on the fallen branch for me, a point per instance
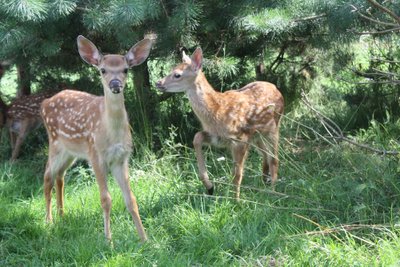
(341, 228)
(258, 203)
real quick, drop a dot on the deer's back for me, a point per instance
(260, 94)
(240, 113)
(27, 106)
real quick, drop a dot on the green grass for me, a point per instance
(334, 206)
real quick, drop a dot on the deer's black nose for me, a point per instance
(115, 83)
(115, 86)
(159, 85)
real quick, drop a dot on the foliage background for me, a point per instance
(336, 204)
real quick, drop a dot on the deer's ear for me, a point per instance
(186, 59)
(197, 59)
(139, 52)
(88, 51)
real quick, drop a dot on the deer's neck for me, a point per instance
(204, 100)
(115, 116)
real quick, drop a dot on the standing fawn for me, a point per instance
(234, 119)
(22, 116)
(96, 128)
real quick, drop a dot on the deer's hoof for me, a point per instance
(210, 191)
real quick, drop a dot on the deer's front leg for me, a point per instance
(201, 138)
(48, 187)
(239, 154)
(120, 172)
(100, 170)
(273, 160)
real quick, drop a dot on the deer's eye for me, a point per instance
(177, 75)
(103, 70)
(126, 70)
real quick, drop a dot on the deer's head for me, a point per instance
(184, 75)
(113, 68)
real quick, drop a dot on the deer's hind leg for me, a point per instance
(17, 139)
(239, 154)
(58, 162)
(268, 147)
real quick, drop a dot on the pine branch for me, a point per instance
(62, 7)
(127, 13)
(385, 10)
(25, 10)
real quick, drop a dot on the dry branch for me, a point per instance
(310, 18)
(394, 27)
(378, 32)
(337, 134)
(384, 23)
(341, 228)
(385, 10)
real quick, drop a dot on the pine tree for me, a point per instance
(279, 41)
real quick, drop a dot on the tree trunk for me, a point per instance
(260, 71)
(141, 82)
(24, 80)
(3, 105)
(146, 101)
(2, 70)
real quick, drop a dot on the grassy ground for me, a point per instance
(333, 206)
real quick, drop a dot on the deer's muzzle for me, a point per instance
(160, 86)
(115, 86)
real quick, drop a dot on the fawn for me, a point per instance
(95, 128)
(22, 116)
(234, 119)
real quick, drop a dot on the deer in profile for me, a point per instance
(235, 119)
(21, 117)
(95, 128)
